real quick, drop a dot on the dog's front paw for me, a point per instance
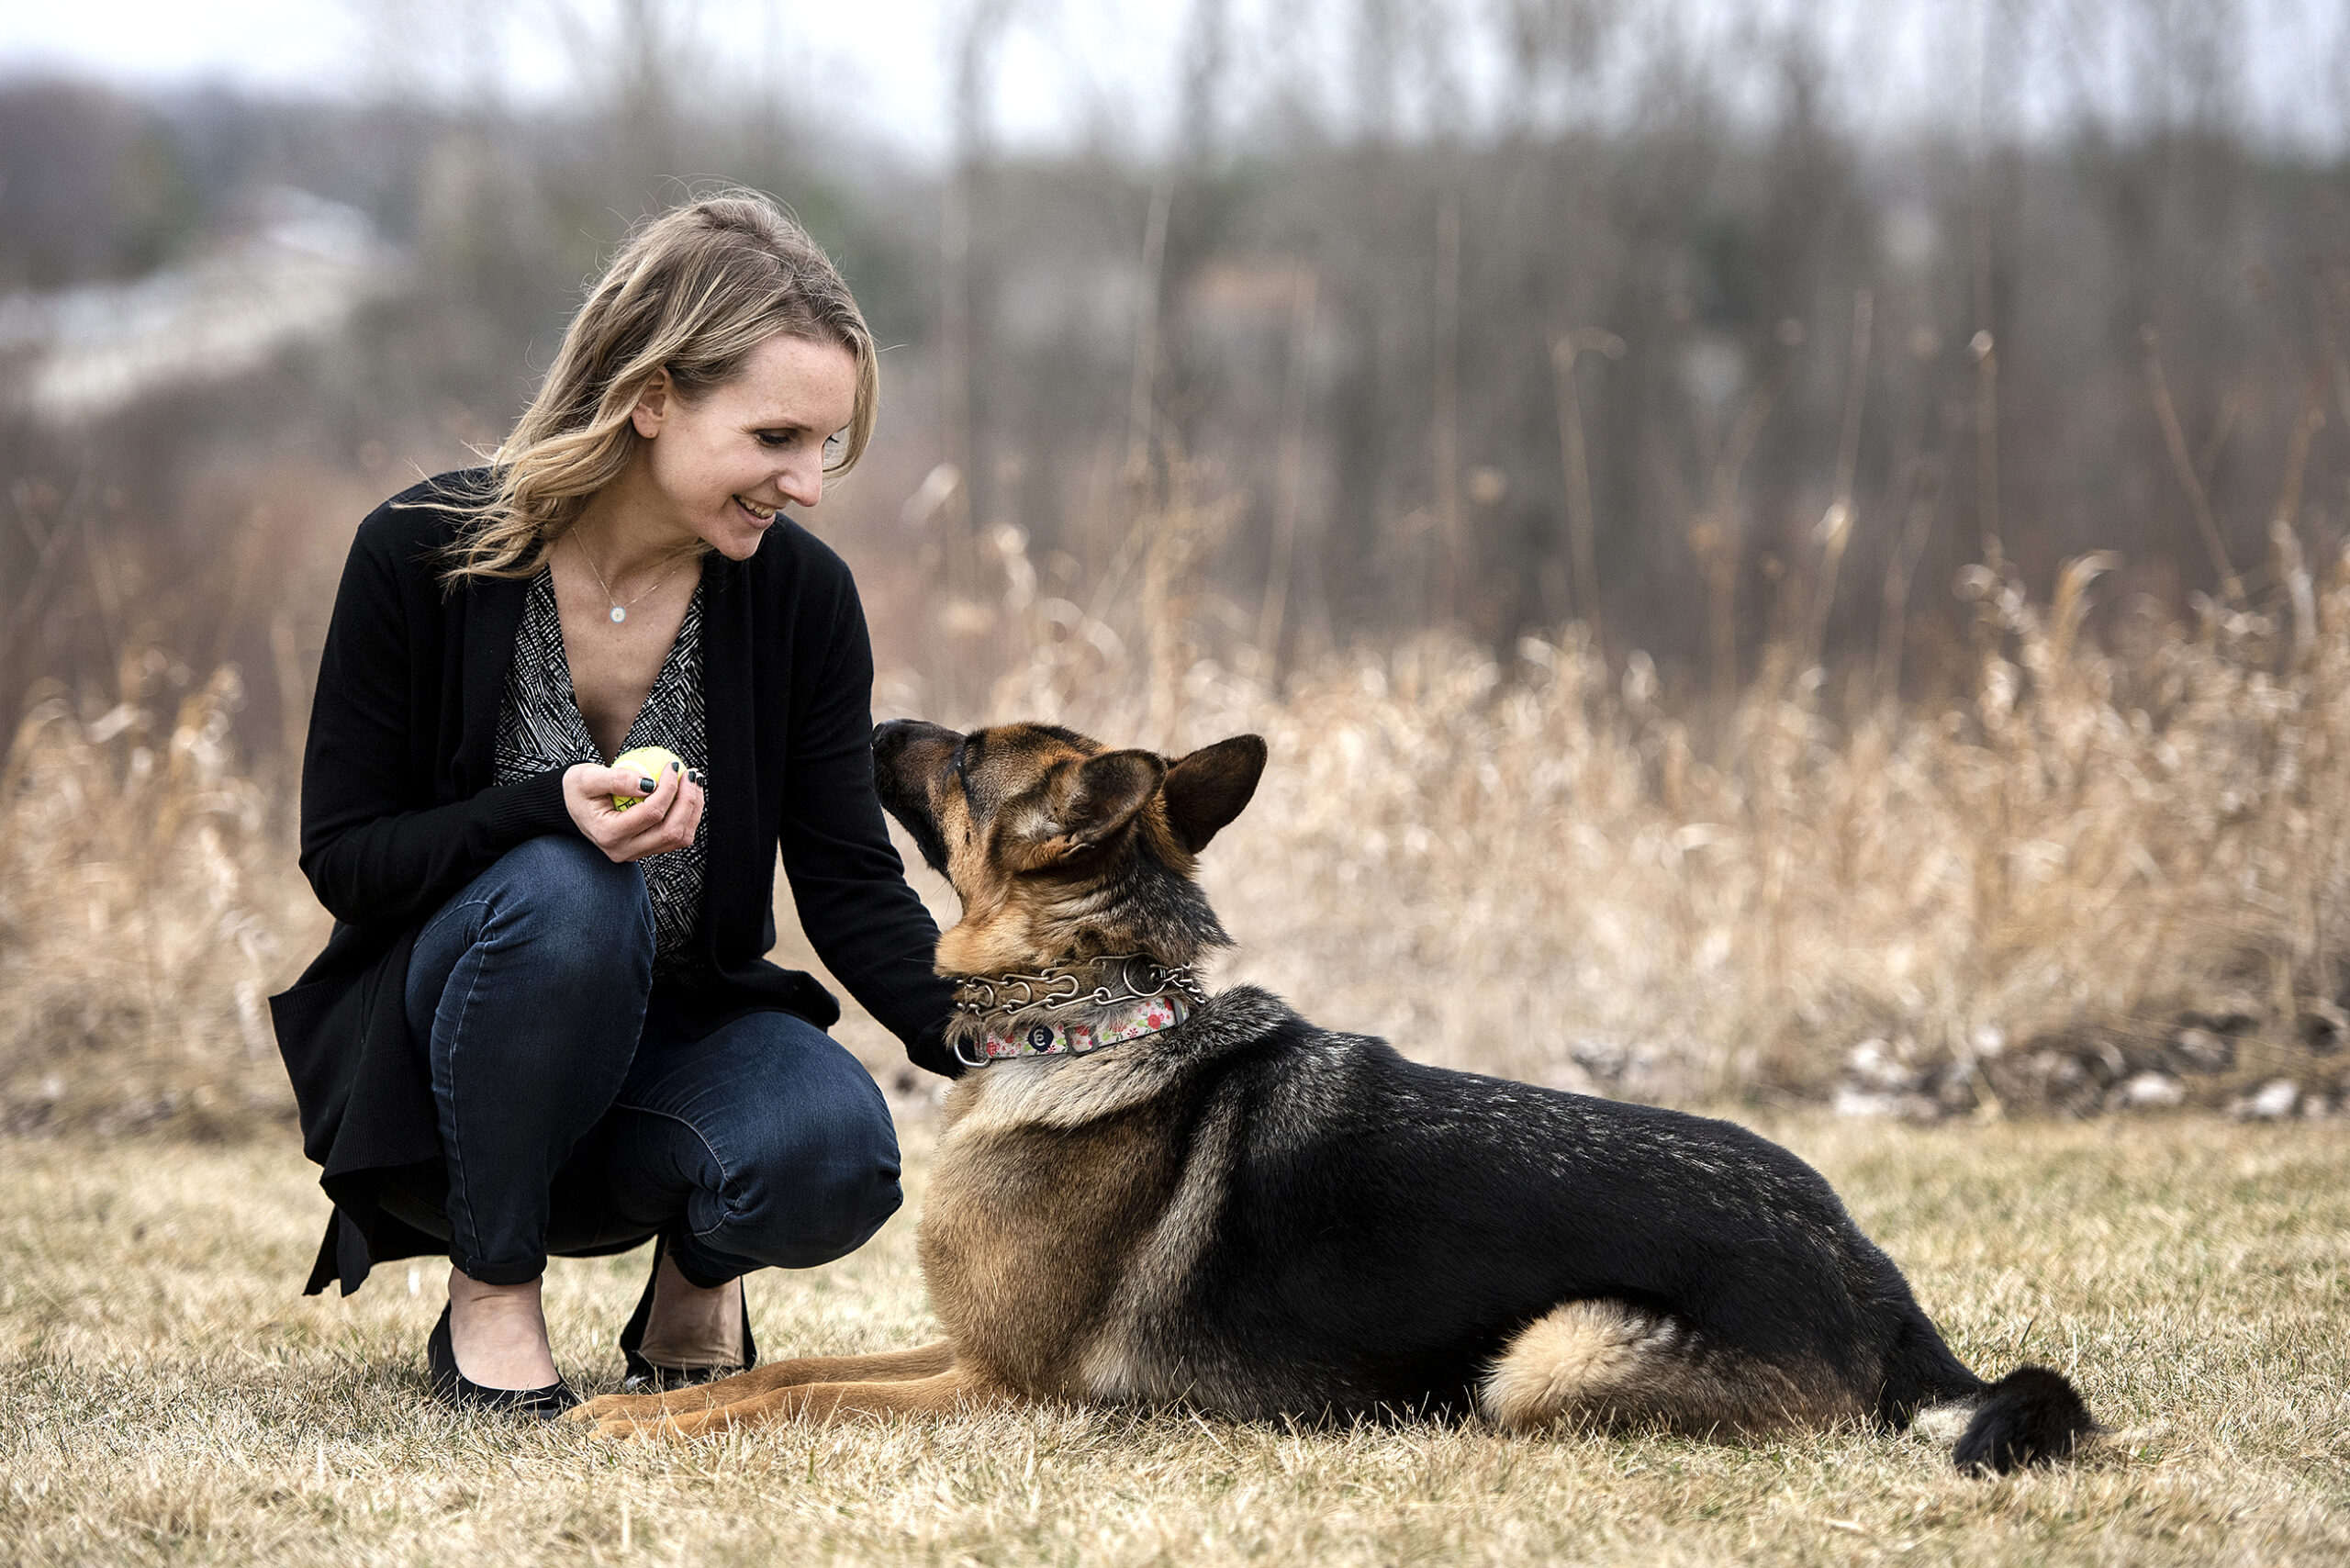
(660, 1426)
(610, 1407)
(631, 1429)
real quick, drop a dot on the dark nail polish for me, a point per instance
(650, 786)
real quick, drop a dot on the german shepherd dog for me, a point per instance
(1147, 1195)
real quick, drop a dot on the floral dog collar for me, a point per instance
(1112, 1025)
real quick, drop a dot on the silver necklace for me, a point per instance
(620, 610)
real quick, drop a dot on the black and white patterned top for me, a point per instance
(540, 726)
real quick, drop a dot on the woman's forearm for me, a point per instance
(371, 866)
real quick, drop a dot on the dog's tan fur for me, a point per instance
(1604, 1363)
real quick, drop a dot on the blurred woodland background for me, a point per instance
(1749, 597)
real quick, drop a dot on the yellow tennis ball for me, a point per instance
(650, 762)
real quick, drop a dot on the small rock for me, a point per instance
(2153, 1091)
(1852, 1100)
(2273, 1102)
(2205, 1050)
(1879, 1066)
(1604, 1059)
(2059, 1069)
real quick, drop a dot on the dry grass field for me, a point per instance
(170, 1399)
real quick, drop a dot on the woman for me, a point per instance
(543, 1021)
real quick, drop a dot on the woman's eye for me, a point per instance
(834, 445)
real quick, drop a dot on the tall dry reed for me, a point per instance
(2101, 864)
(2107, 866)
(151, 910)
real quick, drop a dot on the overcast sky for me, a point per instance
(1070, 65)
(886, 69)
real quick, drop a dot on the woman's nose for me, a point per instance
(803, 480)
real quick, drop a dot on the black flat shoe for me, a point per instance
(645, 1377)
(452, 1387)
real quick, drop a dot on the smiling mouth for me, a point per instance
(763, 514)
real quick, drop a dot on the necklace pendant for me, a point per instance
(619, 615)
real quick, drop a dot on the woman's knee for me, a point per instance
(816, 1183)
(826, 1216)
(575, 913)
(565, 879)
(552, 926)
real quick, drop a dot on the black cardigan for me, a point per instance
(400, 809)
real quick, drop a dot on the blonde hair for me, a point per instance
(693, 291)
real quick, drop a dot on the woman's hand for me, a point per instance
(664, 819)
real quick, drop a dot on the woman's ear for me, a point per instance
(653, 405)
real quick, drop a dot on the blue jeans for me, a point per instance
(574, 1118)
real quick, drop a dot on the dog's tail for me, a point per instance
(2032, 1416)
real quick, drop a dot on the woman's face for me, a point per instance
(722, 465)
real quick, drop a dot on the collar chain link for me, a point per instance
(1134, 977)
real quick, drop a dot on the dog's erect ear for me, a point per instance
(1091, 800)
(1207, 789)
